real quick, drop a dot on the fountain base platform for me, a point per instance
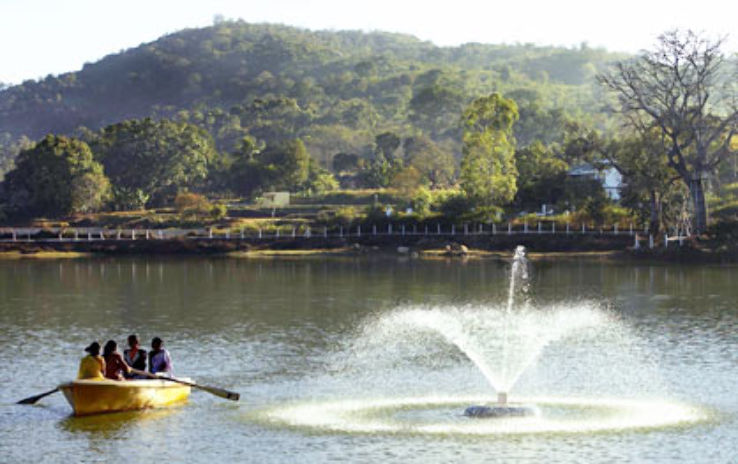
(499, 411)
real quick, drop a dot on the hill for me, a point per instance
(336, 90)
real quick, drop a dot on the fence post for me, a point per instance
(325, 232)
(509, 228)
(147, 234)
(294, 232)
(615, 229)
(374, 229)
(210, 233)
(161, 234)
(567, 228)
(666, 240)
(636, 245)
(584, 228)
(494, 228)
(358, 230)
(89, 236)
(453, 229)
(60, 234)
(426, 229)
(650, 241)
(276, 233)
(438, 228)
(553, 227)
(15, 237)
(525, 227)
(631, 228)
(403, 229)
(539, 227)
(259, 232)
(117, 235)
(133, 234)
(481, 229)
(307, 232)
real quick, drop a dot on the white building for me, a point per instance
(608, 176)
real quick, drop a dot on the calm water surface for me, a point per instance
(280, 331)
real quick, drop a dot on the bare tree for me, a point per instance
(678, 89)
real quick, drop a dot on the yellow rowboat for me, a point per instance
(101, 396)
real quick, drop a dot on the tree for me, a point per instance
(56, 177)
(639, 157)
(676, 88)
(541, 175)
(435, 164)
(488, 171)
(157, 158)
(406, 182)
(284, 165)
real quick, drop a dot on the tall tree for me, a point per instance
(676, 88)
(488, 173)
(56, 177)
(154, 159)
(435, 164)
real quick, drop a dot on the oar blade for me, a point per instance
(35, 398)
(229, 395)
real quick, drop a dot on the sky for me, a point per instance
(42, 37)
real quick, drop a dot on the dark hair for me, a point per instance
(156, 342)
(110, 348)
(132, 339)
(93, 349)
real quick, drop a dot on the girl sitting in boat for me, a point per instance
(159, 360)
(92, 366)
(135, 357)
(115, 366)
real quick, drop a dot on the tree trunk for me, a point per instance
(655, 220)
(698, 202)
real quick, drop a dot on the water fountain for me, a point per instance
(593, 362)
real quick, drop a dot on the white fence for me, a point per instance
(641, 238)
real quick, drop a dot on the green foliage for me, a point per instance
(435, 164)
(56, 177)
(319, 180)
(218, 211)
(406, 182)
(159, 158)
(422, 202)
(541, 176)
(277, 82)
(488, 174)
(192, 205)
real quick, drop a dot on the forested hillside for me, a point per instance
(335, 90)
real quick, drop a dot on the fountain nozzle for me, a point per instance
(502, 398)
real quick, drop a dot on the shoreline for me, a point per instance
(474, 248)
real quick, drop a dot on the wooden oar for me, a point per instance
(33, 399)
(229, 395)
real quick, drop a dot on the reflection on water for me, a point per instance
(272, 330)
(116, 425)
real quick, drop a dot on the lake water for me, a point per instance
(329, 369)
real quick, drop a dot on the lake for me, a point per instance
(368, 359)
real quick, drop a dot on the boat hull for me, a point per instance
(103, 396)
